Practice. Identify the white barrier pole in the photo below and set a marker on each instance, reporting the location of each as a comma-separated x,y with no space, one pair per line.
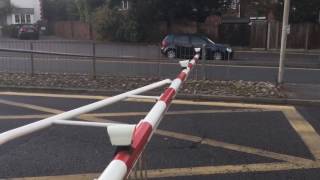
36,126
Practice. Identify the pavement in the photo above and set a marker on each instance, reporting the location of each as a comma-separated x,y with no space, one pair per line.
302,91
196,140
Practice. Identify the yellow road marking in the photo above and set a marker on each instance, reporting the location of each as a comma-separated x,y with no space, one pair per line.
303,128
30,106
234,147
226,169
238,105
307,133
120,114
19,117
178,136
53,95
50,110
125,114
191,171
62,177
185,102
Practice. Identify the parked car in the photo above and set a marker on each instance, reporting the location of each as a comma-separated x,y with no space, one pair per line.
182,46
28,31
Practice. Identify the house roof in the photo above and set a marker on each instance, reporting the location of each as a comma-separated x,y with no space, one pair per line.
23,11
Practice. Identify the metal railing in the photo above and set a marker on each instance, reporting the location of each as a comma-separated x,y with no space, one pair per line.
100,59
31,58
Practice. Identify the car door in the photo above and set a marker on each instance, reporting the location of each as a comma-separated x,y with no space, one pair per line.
183,46
198,42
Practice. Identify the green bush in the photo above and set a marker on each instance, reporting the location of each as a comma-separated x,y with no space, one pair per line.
10,30
115,25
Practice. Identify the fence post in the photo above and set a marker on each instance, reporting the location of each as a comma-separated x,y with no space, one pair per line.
277,35
204,73
32,59
306,43
94,75
268,34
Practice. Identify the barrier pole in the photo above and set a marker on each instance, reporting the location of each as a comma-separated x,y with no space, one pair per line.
45,123
124,160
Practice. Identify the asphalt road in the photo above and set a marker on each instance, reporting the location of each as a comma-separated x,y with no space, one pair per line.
195,140
119,67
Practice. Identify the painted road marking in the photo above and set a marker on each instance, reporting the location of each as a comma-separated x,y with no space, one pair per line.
226,169
30,106
185,102
300,125
62,177
71,96
50,110
183,112
116,114
304,129
234,147
191,171
20,117
125,114
172,134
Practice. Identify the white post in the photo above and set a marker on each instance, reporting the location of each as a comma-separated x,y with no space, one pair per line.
283,40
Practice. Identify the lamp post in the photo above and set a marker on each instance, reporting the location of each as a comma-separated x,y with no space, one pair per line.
283,40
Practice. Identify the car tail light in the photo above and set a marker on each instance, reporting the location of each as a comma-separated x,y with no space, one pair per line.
23,29
165,43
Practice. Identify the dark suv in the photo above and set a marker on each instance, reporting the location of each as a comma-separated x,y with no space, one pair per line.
182,46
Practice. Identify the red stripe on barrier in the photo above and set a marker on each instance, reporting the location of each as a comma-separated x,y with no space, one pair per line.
141,135
182,76
168,95
190,65
140,139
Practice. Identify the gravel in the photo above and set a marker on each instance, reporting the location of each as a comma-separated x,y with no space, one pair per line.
112,83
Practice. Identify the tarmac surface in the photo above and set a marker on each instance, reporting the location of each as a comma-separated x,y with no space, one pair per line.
196,140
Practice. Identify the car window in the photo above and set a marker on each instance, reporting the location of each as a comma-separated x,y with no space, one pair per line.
168,38
197,41
181,40
28,26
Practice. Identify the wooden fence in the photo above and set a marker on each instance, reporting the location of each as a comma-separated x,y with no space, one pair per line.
301,36
256,34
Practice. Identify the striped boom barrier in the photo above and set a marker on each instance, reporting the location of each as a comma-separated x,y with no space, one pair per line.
124,160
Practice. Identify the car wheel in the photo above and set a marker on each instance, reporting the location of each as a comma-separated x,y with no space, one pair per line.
217,56
171,54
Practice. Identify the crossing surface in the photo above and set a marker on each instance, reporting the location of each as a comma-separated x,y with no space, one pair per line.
195,140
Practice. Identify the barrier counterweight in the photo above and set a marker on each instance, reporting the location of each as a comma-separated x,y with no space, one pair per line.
124,160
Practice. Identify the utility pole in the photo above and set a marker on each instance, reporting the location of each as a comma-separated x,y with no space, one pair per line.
285,20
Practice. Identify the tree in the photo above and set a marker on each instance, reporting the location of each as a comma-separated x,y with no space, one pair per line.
148,12
57,10
304,11
111,24
300,11
256,8
143,16
86,8
5,8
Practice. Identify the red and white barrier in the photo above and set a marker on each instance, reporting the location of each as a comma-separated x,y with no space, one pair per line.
135,137
124,160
